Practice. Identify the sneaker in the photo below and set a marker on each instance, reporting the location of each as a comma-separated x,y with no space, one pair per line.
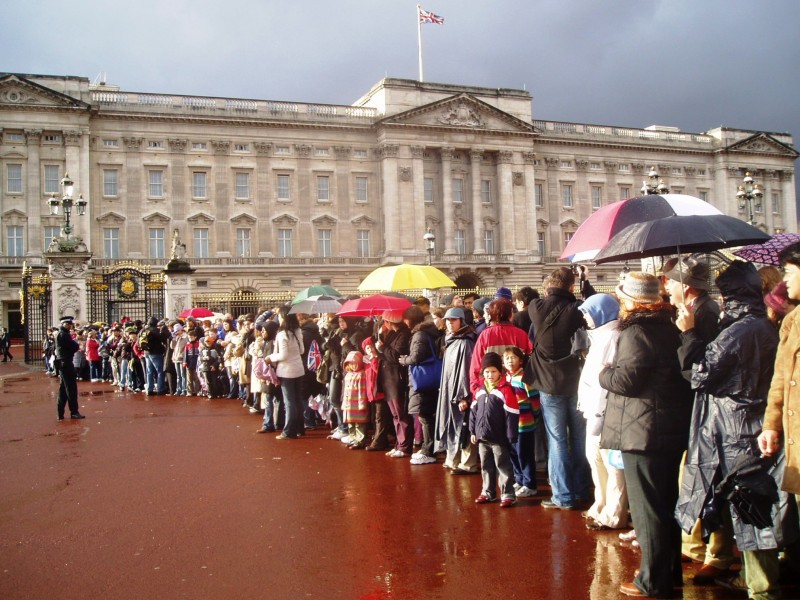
417,454
253,410
423,459
628,536
552,504
507,502
734,581
525,492
346,439
484,499
399,454
517,486
336,435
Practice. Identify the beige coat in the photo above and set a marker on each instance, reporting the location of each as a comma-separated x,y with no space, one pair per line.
783,402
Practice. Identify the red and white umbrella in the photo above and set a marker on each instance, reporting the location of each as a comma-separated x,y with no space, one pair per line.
374,305
601,226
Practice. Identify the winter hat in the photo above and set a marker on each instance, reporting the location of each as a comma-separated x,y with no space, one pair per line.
691,272
454,312
480,304
503,292
602,308
778,299
492,359
640,287
354,356
177,327
393,316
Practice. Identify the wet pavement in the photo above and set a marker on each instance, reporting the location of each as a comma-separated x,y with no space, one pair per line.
180,498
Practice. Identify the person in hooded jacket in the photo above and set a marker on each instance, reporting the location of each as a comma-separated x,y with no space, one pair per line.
647,418
393,342
424,344
610,507
455,397
732,382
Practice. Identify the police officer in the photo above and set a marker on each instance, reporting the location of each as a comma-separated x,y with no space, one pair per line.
66,347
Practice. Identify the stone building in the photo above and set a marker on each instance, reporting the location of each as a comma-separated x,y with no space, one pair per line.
277,195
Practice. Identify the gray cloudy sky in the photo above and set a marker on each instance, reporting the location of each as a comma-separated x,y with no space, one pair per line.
694,64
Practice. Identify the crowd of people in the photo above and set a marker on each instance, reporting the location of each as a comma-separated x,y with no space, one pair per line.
663,407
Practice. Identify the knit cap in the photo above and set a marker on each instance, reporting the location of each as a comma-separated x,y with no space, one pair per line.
503,292
492,359
640,287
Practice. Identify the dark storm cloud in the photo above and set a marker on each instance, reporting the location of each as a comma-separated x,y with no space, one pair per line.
688,63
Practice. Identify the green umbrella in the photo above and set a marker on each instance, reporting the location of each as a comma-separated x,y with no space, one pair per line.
315,290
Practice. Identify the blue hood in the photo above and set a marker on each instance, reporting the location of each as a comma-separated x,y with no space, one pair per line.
602,308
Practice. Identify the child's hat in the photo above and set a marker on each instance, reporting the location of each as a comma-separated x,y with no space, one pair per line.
492,359
354,356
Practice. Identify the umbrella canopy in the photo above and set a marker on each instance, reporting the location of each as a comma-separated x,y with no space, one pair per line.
601,226
373,305
198,312
315,290
767,253
693,233
317,305
405,277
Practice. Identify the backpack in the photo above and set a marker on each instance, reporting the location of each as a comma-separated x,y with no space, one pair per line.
144,339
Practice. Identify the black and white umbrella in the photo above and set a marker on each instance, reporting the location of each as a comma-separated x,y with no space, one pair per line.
679,234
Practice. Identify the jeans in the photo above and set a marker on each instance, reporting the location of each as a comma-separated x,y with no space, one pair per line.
95,370
292,388
123,374
523,457
570,477
180,379
155,373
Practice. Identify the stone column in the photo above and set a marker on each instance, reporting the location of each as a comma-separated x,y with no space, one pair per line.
475,157
448,214
391,199
68,274
33,192
529,235
788,200
505,204
418,198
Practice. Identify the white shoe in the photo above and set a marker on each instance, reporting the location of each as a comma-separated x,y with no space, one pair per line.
399,454
336,435
525,492
517,486
422,459
346,439
417,454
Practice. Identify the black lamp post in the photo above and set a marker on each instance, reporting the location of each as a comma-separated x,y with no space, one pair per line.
66,241
749,197
430,244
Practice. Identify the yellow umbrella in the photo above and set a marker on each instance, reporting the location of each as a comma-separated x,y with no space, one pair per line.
405,277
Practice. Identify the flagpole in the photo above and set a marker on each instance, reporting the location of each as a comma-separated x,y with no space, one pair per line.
419,42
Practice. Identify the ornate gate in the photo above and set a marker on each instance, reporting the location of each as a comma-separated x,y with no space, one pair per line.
125,290
36,314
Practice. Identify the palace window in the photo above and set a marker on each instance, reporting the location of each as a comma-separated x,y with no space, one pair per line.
200,238
155,183
325,243
110,183
540,247
566,196
14,179
363,249
156,238
460,242
242,242
323,188
52,179
361,189
284,243
15,240
50,233
488,241
199,184
110,242
538,192
283,188
242,186
597,197
428,184
486,191
776,203
458,191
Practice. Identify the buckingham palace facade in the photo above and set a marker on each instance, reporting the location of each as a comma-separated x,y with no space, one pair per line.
276,195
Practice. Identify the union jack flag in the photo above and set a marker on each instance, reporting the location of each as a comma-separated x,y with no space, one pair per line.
429,17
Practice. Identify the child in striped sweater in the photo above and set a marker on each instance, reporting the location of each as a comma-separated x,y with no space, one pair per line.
354,401
523,455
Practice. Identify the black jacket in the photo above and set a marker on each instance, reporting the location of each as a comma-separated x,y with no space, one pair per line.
553,368
650,403
66,347
424,341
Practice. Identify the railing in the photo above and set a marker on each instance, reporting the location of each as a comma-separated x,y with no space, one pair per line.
132,101
581,129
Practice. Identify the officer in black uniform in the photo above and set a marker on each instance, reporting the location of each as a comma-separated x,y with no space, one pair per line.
66,347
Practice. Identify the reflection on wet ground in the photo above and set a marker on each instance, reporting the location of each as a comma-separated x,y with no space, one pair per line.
180,498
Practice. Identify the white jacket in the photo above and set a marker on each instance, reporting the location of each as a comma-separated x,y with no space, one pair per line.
287,358
592,397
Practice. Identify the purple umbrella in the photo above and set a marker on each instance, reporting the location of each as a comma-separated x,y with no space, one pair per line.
767,253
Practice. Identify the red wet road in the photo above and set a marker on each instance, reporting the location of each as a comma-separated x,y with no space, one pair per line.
179,498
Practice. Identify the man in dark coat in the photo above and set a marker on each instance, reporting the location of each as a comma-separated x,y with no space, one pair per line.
732,381
66,347
555,371
310,331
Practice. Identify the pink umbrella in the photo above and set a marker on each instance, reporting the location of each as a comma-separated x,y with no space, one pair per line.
768,252
198,312
370,306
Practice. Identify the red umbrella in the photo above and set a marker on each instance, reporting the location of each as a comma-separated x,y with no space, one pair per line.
370,306
601,226
199,312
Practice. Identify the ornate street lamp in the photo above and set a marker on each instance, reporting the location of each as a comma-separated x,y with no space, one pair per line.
66,241
654,185
749,197
430,244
